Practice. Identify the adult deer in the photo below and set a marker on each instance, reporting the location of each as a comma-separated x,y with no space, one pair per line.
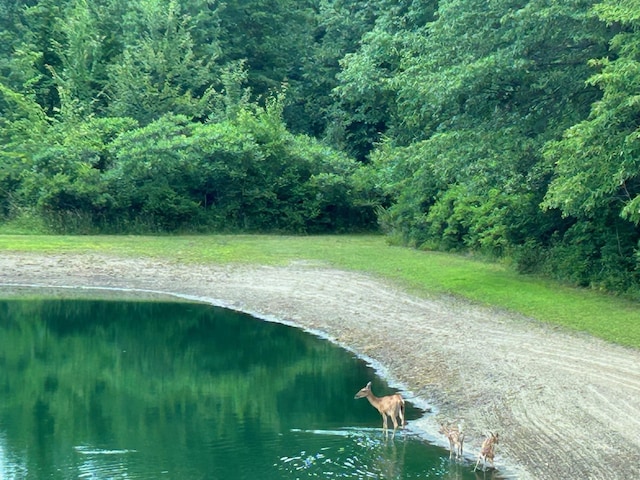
487,451
391,406
455,435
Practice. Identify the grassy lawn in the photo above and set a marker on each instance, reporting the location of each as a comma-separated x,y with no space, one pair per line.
425,273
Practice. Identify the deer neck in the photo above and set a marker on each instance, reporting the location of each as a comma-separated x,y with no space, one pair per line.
373,400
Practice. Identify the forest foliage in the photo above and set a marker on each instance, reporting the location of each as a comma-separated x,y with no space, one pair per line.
507,127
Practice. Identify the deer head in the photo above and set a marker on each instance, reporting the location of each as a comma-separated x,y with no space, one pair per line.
364,391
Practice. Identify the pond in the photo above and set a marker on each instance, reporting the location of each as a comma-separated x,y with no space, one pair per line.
105,389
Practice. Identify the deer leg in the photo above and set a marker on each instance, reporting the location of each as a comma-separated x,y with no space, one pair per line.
395,425
384,425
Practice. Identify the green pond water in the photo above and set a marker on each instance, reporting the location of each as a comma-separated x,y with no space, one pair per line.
101,389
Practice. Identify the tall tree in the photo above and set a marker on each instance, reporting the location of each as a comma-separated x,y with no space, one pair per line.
159,70
338,28
597,162
82,70
364,100
481,92
271,36
39,46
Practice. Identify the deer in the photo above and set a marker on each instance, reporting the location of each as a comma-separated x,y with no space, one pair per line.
391,406
455,435
487,451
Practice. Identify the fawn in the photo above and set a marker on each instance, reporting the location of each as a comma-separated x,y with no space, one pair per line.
455,435
487,451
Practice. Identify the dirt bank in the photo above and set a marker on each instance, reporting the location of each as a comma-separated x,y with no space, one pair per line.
566,406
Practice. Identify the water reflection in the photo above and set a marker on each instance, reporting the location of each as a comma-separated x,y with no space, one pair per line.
115,465
11,466
106,389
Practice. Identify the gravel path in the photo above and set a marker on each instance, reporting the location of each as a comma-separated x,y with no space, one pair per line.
566,406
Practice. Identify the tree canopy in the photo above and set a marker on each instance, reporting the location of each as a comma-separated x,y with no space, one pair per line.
508,127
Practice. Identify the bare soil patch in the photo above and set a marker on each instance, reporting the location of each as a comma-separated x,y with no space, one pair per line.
566,406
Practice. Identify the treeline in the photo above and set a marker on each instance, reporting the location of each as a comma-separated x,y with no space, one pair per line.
160,116
507,127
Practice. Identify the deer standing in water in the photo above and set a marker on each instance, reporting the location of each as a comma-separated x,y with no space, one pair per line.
391,406
455,435
487,451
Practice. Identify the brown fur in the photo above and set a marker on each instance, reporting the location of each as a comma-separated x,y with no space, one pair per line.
391,406
456,439
487,451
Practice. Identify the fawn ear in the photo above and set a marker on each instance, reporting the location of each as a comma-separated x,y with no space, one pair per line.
368,385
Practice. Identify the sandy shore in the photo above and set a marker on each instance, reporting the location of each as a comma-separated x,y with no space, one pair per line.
566,406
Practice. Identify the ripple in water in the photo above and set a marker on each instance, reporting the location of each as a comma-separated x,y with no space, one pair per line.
363,454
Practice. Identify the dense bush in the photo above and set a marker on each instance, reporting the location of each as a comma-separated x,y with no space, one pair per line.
248,173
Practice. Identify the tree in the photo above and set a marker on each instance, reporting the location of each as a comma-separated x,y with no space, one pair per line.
82,71
364,105
66,185
159,70
244,173
38,46
337,30
478,96
597,162
22,123
596,166
271,36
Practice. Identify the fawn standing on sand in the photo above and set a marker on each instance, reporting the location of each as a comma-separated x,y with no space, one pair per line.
455,435
391,406
487,451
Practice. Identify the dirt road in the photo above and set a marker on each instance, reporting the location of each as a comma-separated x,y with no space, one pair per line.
566,406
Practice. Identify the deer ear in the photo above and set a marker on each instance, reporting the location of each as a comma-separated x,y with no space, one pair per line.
368,385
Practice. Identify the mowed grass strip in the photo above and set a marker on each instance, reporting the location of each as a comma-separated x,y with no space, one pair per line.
608,317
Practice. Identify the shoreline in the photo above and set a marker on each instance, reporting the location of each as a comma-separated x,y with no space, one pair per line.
551,395
119,293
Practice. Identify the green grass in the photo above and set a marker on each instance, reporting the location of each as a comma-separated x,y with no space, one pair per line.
425,273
